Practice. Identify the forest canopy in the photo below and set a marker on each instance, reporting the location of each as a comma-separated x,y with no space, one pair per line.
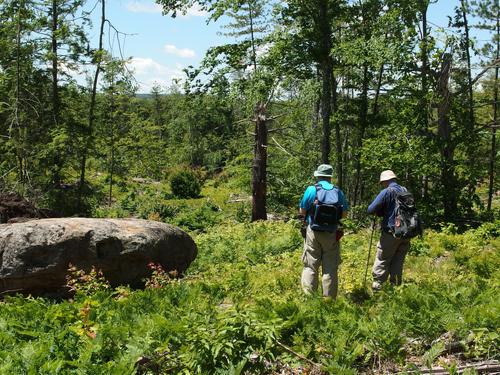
365,86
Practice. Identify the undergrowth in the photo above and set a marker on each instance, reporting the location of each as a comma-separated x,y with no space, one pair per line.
240,310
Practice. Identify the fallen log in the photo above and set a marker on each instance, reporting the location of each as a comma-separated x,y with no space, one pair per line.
484,367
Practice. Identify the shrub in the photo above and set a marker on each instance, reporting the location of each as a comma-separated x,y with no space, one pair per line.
489,230
200,218
185,184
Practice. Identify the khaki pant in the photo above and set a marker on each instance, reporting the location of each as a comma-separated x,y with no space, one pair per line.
389,260
320,248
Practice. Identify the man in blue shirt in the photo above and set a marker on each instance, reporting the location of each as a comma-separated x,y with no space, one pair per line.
391,251
320,245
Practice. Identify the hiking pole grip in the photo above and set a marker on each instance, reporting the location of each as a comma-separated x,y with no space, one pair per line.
369,252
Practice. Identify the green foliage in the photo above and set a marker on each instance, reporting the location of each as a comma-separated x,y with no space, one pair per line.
240,306
185,184
489,230
201,218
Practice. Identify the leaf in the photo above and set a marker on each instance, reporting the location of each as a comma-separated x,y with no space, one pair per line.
433,353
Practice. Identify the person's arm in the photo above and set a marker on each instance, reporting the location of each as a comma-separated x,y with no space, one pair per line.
307,200
345,204
376,207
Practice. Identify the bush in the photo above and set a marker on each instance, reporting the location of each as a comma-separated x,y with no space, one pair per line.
185,184
200,218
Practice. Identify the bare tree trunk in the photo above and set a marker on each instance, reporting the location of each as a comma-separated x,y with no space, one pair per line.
449,197
493,153
259,170
90,128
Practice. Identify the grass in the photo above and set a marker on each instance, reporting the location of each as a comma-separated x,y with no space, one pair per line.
240,307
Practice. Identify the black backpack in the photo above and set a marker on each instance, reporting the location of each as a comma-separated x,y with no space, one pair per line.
326,210
407,222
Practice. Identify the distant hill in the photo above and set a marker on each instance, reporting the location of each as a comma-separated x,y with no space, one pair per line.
143,96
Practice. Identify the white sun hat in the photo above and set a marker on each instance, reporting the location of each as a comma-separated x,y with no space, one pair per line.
387,175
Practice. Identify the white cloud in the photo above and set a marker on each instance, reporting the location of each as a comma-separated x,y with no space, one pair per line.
149,72
195,11
143,7
181,52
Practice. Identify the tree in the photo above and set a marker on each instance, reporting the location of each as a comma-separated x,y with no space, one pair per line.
98,59
310,28
248,22
65,47
448,180
21,107
488,12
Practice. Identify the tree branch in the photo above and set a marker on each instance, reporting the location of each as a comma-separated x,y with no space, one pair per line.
298,355
282,148
495,63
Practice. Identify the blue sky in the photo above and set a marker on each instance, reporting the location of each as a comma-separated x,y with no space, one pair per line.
160,46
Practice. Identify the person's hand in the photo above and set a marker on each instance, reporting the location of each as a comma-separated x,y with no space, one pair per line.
339,234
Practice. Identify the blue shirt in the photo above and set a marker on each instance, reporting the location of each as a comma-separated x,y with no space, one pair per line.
310,195
384,205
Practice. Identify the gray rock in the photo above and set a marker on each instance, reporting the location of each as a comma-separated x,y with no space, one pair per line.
34,256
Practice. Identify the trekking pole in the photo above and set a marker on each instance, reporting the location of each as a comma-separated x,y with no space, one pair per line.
369,252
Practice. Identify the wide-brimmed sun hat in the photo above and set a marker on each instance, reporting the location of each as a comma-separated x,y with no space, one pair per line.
387,175
324,170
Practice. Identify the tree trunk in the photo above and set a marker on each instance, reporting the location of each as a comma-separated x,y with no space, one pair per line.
56,178
377,90
424,105
259,170
112,123
449,196
317,111
326,66
20,127
493,153
363,119
471,144
90,127
338,140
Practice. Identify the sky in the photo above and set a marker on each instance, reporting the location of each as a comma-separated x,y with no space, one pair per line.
160,47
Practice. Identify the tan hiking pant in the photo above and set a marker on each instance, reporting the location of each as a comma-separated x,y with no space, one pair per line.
320,248
389,260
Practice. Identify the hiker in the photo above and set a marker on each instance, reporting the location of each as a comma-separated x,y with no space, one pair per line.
391,251
323,205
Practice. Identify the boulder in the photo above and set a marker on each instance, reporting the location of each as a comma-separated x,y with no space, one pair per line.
34,256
